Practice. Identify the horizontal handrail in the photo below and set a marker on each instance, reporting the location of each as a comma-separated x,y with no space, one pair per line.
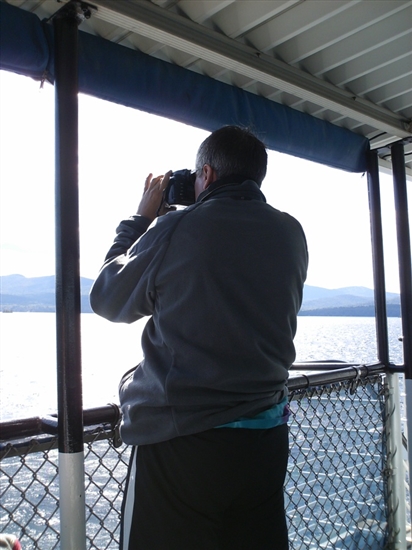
29,427
337,365
327,364
324,377
110,414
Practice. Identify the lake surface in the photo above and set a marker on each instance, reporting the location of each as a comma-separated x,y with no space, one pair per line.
28,355
28,388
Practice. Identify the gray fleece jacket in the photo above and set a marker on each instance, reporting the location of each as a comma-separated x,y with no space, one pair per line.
221,282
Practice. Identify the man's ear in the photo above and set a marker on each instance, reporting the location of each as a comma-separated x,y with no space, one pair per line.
209,175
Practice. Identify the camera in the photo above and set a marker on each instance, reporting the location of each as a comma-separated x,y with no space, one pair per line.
181,188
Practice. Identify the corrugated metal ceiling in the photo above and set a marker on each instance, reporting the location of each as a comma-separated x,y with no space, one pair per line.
348,62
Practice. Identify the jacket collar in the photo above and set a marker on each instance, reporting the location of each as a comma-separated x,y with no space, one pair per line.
235,187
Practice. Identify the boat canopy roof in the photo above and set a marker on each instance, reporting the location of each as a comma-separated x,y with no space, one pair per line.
324,81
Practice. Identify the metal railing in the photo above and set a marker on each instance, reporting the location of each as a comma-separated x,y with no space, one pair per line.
337,487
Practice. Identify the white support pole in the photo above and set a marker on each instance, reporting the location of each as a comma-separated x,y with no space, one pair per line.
408,415
72,501
395,466
405,275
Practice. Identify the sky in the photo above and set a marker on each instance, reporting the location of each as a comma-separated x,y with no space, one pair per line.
119,147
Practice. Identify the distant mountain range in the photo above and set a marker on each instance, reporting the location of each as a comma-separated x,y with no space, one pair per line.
351,301
19,293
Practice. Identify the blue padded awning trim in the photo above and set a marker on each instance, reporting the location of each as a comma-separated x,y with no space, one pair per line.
122,75
24,48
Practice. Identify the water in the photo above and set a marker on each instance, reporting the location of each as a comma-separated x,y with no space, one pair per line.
28,388
28,355
351,339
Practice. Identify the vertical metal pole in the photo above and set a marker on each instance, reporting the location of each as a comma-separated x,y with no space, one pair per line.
395,467
404,252
70,405
405,279
378,258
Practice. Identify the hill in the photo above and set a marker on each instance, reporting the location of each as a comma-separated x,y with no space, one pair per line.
19,293
346,302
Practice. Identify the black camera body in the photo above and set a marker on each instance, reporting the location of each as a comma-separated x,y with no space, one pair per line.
181,188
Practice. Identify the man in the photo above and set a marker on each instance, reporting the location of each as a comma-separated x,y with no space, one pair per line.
206,410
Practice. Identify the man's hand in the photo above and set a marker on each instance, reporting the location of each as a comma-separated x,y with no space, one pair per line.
151,202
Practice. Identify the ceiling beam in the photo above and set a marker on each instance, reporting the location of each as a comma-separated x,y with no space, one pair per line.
385,166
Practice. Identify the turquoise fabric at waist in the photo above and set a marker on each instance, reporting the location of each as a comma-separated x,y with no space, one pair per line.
275,416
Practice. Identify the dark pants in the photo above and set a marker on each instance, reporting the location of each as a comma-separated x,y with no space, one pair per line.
217,490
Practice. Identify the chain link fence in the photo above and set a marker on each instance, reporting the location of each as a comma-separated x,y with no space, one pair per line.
335,488
335,494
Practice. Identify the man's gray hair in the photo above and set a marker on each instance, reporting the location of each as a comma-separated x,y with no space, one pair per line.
233,151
